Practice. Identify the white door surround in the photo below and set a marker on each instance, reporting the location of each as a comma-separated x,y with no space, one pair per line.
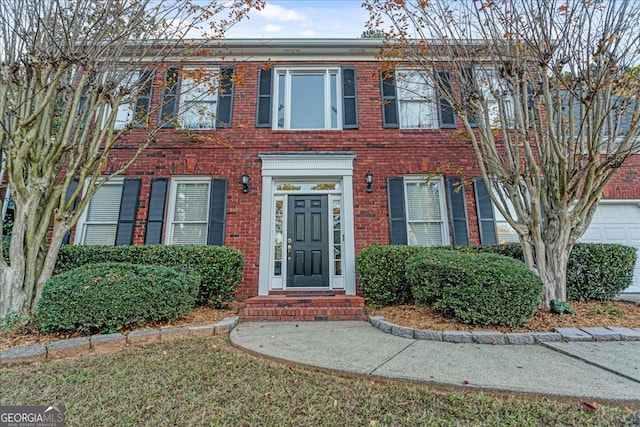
287,173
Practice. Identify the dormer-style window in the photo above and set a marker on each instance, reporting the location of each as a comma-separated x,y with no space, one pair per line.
307,98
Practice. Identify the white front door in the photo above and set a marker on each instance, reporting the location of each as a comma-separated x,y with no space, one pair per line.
306,238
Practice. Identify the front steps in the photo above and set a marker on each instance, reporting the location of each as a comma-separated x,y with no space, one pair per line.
303,305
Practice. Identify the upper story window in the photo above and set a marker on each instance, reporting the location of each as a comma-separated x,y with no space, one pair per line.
308,98
197,98
411,101
135,106
497,97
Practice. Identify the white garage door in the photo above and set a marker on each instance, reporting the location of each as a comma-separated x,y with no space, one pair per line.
617,223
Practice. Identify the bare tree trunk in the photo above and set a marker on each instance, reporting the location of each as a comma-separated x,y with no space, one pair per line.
553,275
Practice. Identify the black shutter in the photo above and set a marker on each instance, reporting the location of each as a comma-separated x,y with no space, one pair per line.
349,100
447,114
457,211
70,189
225,98
155,215
486,217
397,217
128,209
217,211
143,101
169,97
263,117
389,101
466,75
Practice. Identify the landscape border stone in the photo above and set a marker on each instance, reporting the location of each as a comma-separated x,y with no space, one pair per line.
100,344
512,338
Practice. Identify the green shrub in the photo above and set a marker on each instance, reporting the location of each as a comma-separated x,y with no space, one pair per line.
419,276
107,297
484,289
599,271
381,274
219,267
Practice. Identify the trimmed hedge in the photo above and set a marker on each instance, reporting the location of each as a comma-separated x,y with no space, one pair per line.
594,271
381,274
483,289
108,297
219,267
599,271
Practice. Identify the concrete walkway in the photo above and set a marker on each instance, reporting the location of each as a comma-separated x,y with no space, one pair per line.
606,371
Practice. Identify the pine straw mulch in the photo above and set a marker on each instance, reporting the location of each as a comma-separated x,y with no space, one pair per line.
620,314
588,314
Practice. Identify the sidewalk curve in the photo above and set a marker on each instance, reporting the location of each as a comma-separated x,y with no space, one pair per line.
591,370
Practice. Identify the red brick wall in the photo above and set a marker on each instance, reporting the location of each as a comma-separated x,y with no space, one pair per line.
226,153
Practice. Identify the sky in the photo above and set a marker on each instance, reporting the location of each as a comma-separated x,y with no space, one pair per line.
303,19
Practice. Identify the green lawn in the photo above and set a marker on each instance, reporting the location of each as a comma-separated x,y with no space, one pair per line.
202,382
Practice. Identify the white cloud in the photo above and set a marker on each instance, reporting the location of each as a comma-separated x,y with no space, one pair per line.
278,13
304,19
270,28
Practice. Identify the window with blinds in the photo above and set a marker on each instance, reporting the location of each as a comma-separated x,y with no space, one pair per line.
101,220
425,213
190,212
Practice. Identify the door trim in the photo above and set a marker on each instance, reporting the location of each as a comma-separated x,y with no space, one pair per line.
305,166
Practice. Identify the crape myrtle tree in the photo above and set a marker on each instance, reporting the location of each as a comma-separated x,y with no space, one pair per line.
548,92
67,70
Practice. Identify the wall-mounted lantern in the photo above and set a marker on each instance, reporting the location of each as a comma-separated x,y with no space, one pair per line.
368,178
244,179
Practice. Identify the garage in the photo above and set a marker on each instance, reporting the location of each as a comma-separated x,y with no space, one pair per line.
617,222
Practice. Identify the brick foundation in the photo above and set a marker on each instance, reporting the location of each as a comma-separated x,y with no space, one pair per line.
296,306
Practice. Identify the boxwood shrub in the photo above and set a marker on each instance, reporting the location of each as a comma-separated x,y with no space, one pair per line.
219,267
483,289
599,271
107,297
381,274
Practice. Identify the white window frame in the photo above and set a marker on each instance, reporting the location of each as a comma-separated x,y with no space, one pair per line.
426,97
288,72
175,181
489,83
444,225
127,108
208,90
83,221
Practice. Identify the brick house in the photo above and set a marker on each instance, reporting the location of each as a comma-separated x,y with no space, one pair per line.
308,132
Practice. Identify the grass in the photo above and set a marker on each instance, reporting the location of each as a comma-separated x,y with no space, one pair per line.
204,382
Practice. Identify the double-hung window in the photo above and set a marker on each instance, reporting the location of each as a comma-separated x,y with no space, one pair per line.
497,95
188,211
411,100
99,221
134,106
307,98
416,100
199,99
426,212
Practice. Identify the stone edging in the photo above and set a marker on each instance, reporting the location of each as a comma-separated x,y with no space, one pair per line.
102,344
495,337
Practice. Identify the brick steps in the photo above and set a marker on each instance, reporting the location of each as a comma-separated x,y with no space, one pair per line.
302,306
